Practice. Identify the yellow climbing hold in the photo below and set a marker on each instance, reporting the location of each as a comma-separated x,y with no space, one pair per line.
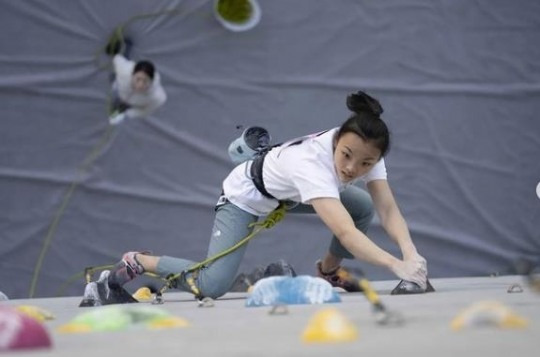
35,312
74,327
488,313
143,294
168,322
329,325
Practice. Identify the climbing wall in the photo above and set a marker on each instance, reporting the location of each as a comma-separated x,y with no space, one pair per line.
459,81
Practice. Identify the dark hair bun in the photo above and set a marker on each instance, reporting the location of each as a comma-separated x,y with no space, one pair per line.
362,102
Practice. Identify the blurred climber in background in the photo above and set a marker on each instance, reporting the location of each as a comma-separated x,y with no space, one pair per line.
136,86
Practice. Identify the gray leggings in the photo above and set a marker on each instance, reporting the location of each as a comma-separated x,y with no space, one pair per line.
231,226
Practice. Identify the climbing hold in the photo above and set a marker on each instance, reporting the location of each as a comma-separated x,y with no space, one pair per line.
20,331
288,290
329,325
487,313
408,287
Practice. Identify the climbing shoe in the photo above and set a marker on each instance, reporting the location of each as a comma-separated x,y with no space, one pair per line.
98,293
340,278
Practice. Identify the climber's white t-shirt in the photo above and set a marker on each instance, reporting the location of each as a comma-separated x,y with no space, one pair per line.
297,172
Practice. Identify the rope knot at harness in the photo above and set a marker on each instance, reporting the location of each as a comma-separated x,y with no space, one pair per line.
273,218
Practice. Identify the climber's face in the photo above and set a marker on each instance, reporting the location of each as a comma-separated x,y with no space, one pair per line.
140,82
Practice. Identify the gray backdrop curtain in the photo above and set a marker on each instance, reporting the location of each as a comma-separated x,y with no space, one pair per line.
459,81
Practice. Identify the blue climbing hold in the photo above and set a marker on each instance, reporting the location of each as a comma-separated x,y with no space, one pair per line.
286,290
